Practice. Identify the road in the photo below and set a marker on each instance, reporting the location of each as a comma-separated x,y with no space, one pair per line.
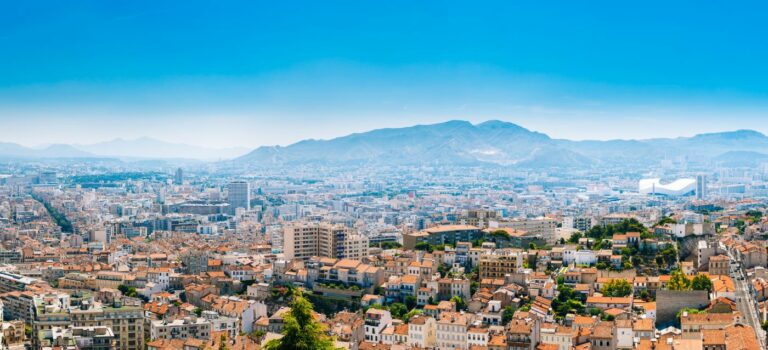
745,301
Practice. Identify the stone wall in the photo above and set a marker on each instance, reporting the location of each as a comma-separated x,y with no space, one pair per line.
669,302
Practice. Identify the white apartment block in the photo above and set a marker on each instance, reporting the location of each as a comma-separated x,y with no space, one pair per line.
189,327
375,322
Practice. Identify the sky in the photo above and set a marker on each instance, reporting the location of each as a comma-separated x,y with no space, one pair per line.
252,73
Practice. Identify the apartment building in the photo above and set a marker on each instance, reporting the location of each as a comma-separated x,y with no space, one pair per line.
544,227
346,271
18,306
10,282
719,265
305,240
127,322
477,217
422,331
450,287
500,263
562,337
188,327
80,338
441,234
375,322
693,324
452,329
245,311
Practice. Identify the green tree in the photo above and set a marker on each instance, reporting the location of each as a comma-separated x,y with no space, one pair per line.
398,310
128,291
755,215
567,301
666,220
460,305
507,315
410,302
678,281
424,246
617,288
689,310
701,282
575,237
301,331
668,255
223,342
407,317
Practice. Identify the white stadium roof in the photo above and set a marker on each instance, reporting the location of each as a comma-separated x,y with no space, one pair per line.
678,187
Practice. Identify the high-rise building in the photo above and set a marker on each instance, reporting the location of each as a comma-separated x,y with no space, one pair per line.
701,187
305,240
179,178
239,195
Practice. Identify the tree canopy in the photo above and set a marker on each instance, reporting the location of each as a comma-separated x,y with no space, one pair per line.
301,331
679,281
701,282
617,288
605,232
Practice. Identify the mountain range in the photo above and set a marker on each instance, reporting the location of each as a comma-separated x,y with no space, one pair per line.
453,142
502,143
136,149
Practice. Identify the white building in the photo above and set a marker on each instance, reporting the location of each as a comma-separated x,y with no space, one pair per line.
219,323
188,327
375,322
677,188
477,336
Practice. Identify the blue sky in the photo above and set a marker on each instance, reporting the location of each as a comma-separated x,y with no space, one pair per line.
249,73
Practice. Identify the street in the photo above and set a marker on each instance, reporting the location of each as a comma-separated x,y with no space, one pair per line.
745,302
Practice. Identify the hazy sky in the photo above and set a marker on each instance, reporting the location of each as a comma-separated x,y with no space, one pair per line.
251,73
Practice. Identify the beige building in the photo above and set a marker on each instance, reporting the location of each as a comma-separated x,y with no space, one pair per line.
452,329
562,337
305,240
693,324
545,227
718,265
126,322
501,263
422,331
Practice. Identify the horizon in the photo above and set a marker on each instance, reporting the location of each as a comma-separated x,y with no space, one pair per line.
248,149
247,74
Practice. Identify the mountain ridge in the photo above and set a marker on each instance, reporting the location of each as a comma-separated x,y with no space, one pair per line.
496,142
453,142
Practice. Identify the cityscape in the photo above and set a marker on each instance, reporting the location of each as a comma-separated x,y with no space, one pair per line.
425,176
